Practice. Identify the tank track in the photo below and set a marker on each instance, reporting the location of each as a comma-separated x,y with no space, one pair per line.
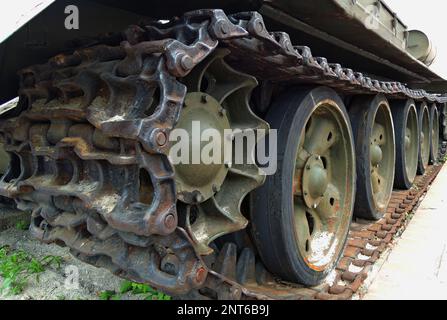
83,141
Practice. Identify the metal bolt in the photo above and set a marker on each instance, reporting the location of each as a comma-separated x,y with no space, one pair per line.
170,221
186,62
235,292
215,188
198,197
204,98
308,167
201,275
222,112
224,27
259,26
170,264
161,138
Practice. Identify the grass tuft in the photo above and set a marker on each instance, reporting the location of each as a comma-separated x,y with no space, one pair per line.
22,225
17,266
136,289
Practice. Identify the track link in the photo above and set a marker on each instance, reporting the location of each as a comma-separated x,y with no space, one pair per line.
92,127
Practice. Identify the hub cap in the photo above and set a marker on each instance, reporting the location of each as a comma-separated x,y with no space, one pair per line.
425,137
383,157
197,182
411,145
435,135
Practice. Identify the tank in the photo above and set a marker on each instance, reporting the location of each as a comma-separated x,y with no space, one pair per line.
214,149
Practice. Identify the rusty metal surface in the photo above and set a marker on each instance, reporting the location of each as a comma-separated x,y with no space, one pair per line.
89,128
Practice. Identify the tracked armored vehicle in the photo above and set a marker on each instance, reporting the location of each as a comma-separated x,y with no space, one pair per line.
343,86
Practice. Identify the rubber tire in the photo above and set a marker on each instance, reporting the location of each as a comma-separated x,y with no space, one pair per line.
434,150
423,109
400,110
272,204
362,112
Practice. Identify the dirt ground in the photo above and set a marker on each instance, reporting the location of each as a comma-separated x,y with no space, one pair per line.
51,284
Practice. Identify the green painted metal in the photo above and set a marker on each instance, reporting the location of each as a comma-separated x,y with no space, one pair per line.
336,24
443,113
425,137
382,157
380,42
411,149
435,135
201,180
323,162
212,194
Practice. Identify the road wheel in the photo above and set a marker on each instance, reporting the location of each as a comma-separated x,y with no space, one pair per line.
301,215
434,125
406,131
372,125
424,138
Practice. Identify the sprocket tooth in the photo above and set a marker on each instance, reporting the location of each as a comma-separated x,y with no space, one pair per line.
246,267
262,275
226,261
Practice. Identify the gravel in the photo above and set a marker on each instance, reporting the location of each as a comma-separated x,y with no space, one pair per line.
52,283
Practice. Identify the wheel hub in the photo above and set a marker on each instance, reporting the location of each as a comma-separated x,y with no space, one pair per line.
376,155
407,139
412,149
197,180
315,181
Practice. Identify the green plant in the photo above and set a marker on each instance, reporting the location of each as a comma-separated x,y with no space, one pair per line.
22,225
109,295
139,288
136,289
16,266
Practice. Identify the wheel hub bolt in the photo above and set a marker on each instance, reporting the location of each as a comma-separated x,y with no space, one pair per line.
198,198
376,155
222,112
